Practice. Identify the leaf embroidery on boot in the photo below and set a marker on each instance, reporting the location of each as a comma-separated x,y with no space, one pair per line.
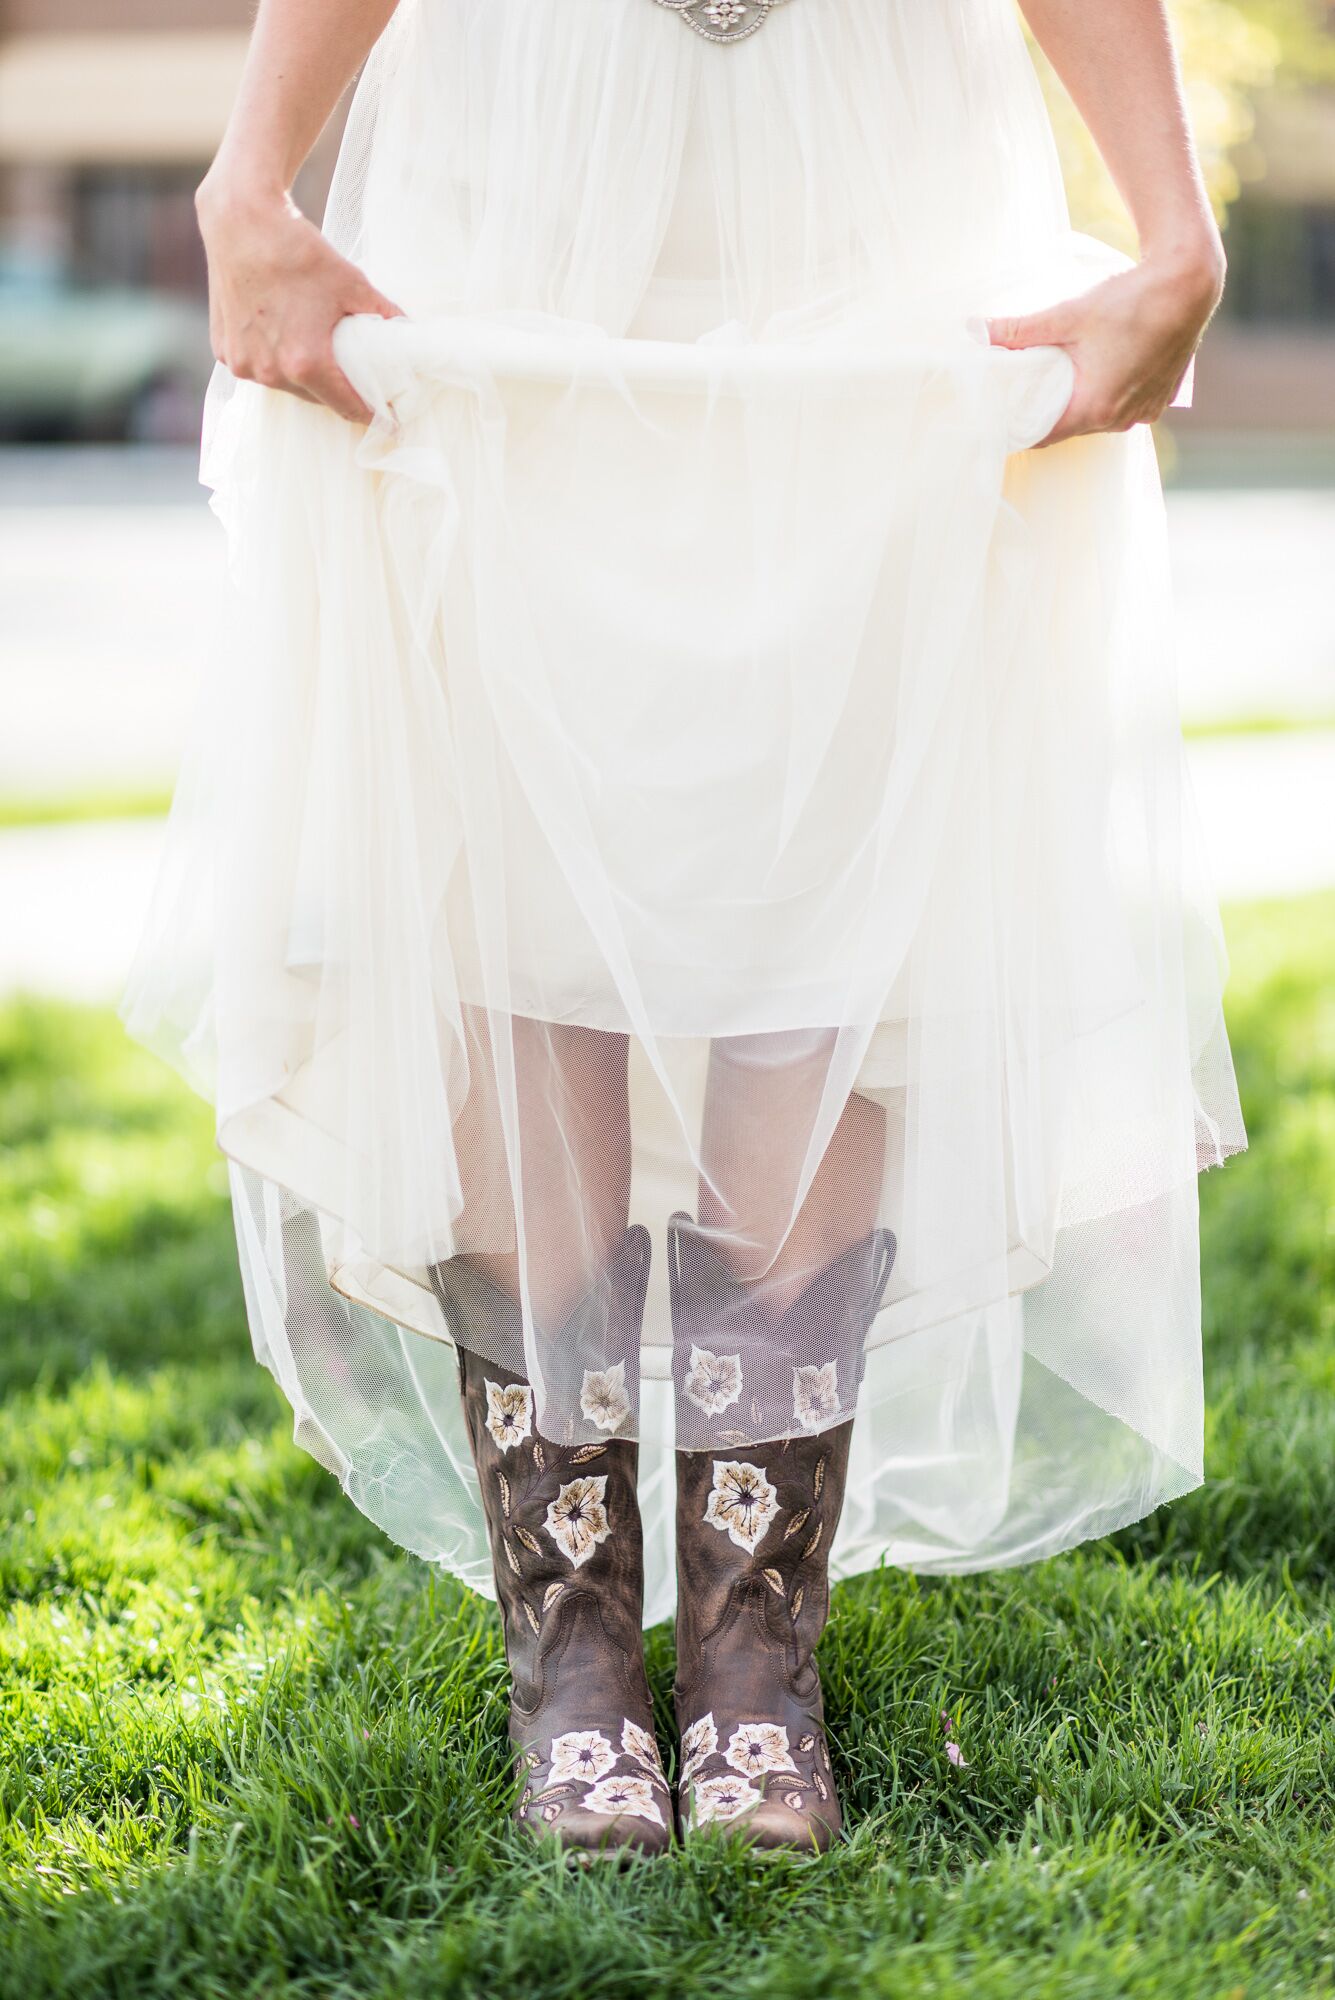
757,1747
820,1785
818,1478
550,1595
624,1795
798,1522
814,1543
807,1742
530,1541
504,1485
512,1559
697,1743
509,1412
721,1798
581,1753
530,1614
586,1452
603,1397
742,1503
798,1595
640,1744
539,1457
734,1437
794,1801
816,1395
775,1582
577,1518
713,1381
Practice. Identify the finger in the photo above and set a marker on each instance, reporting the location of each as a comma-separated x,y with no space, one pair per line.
1042,329
327,384
366,299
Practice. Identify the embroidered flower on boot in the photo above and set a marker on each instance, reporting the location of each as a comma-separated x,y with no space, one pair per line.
581,1753
713,1381
577,1519
721,1798
698,1743
757,1747
624,1795
816,1395
603,1397
509,1412
742,1503
640,1744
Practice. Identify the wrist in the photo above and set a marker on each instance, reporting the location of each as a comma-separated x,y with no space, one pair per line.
232,188
1191,260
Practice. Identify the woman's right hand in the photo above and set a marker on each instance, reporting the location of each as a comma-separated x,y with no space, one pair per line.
277,290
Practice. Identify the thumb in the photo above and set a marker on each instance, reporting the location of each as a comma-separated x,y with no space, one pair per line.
1040,329
366,299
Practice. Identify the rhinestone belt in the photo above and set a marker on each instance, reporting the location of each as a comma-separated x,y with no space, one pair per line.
723,20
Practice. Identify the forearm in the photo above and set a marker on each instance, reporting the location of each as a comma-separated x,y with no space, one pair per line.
1117,60
303,55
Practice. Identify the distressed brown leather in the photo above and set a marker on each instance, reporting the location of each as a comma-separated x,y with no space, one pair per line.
754,1526
567,1551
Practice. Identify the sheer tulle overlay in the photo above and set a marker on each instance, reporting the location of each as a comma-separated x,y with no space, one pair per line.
689,754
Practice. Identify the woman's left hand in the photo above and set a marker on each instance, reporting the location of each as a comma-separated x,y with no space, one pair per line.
1131,339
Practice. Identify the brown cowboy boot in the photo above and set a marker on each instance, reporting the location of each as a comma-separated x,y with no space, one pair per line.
567,1552
754,1526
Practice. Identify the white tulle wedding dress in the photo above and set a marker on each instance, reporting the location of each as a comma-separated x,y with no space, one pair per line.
690,753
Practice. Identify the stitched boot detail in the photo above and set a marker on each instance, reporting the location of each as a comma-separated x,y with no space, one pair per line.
567,1552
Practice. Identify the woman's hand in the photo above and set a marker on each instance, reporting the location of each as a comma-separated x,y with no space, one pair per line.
1131,339
277,290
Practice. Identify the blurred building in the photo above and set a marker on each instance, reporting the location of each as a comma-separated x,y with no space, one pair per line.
109,111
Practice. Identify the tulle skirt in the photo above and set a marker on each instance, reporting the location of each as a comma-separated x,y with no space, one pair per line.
690,755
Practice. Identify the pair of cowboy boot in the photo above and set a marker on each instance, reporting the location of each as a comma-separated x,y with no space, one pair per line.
755,1521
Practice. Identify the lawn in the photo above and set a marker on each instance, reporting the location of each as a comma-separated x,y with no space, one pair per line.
247,1748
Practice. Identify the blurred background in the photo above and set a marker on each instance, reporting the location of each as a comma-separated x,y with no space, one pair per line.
110,110
235,1742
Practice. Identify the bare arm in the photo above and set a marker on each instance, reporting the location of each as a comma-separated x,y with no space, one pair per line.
1132,337
277,289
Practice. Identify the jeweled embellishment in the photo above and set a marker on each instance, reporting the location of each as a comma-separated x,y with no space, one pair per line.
577,1519
741,1503
723,20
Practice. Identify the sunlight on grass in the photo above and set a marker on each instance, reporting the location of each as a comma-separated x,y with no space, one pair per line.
250,1749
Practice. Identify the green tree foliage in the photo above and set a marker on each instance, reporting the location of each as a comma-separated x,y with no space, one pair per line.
1232,50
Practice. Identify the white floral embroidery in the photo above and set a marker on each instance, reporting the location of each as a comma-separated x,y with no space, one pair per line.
577,1518
640,1744
757,1747
698,1742
624,1795
581,1753
741,1503
721,1798
713,1381
603,1397
816,1395
509,1412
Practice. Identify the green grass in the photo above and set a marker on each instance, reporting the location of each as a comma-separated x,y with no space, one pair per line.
246,1748
68,809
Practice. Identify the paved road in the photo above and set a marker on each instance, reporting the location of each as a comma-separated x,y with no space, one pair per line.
109,562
